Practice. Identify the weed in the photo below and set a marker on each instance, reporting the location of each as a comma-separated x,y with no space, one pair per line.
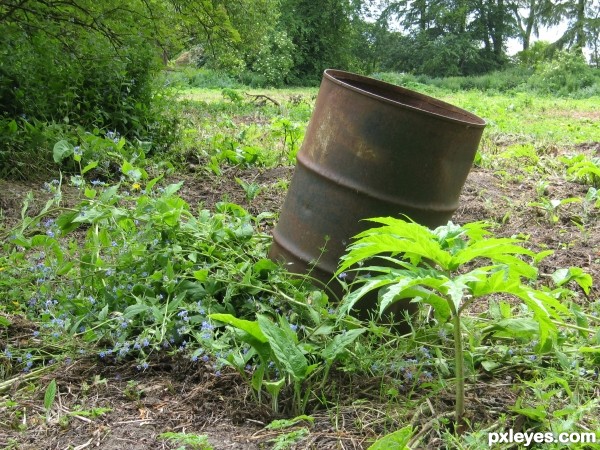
251,190
187,440
432,270
551,207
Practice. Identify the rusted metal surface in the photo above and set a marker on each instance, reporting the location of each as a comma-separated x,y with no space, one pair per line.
371,149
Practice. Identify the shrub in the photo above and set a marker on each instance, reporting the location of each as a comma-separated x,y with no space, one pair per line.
563,75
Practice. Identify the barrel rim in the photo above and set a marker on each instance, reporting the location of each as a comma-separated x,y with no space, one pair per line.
332,74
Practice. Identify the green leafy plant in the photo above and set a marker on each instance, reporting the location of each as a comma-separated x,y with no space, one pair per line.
277,346
551,207
188,440
398,440
50,396
586,171
448,268
292,134
250,189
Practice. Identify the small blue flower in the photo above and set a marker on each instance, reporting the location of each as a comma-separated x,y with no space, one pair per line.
205,358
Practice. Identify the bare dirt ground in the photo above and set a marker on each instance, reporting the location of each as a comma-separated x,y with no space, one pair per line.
180,396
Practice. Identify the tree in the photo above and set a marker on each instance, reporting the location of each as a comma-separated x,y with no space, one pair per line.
79,60
581,17
322,33
451,37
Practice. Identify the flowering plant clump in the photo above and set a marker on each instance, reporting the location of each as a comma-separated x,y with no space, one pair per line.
149,276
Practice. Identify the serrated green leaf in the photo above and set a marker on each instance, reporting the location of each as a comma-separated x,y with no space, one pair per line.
350,300
522,327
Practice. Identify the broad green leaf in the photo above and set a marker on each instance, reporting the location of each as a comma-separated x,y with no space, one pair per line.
50,395
90,166
201,275
589,349
65,268
563,276
152,182
62,149
490,366
134,310
109,194
339,343
284,349
398,440
103,313
538,413
264,266
90,193
258,376
172,189
250,327
421,295
4,322
274,387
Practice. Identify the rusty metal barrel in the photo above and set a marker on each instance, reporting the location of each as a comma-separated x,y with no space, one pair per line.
371,149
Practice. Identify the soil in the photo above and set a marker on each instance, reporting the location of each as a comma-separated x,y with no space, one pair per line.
178,396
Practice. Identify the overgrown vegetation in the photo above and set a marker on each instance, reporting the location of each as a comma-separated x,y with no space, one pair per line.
157,160
120,267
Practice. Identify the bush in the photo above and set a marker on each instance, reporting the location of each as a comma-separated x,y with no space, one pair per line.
566,74
274,61
62,72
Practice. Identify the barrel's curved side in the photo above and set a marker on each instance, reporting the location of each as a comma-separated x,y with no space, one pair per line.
365,156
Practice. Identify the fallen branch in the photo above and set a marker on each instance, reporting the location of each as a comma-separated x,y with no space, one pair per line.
258,97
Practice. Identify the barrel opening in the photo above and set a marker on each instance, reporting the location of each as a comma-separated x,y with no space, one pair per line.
405,97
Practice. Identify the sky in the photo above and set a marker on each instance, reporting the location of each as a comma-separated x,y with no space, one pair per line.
548,34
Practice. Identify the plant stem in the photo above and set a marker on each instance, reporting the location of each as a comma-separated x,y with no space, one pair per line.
460,374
